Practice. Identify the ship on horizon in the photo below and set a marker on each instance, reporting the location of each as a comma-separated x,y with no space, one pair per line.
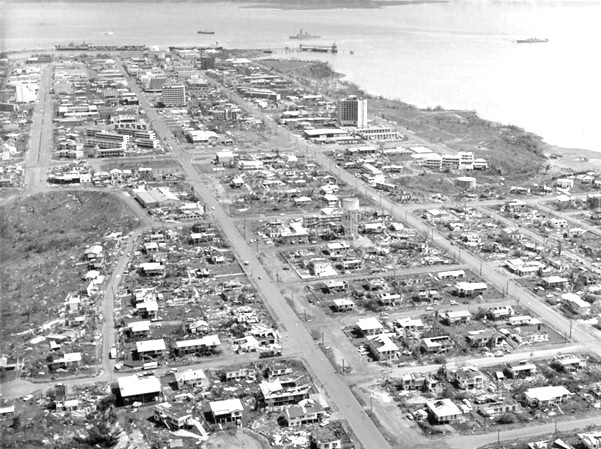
205,32
73,46
532,40
304,35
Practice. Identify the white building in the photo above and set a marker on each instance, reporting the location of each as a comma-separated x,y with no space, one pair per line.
174,95
352,112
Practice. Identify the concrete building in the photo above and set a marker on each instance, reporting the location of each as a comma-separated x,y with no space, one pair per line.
369,327
382,347
443,411
306,412
229,410
352,112
342,305
139,389
544,396
151,348
173,95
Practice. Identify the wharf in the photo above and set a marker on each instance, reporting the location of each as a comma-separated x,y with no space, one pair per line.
319,48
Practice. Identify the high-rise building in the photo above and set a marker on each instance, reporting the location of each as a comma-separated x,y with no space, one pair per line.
207,63
352,112
174,95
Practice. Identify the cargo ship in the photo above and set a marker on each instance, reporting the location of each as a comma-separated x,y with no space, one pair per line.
71,46
303,35
205,32
532,40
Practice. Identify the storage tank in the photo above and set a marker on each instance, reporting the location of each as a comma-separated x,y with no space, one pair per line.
350,218
350,204
466,182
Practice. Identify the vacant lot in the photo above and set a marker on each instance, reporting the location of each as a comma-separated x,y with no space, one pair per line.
42,239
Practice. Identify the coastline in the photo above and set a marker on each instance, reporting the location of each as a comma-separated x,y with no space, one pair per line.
525,154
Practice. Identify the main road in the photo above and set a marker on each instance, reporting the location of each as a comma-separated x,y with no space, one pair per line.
499,279
39,153
300,339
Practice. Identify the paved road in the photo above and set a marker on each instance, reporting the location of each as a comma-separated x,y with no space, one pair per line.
501,281
531,431
39,153
339,393
399,272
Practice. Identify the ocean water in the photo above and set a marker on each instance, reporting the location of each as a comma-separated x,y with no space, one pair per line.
461,54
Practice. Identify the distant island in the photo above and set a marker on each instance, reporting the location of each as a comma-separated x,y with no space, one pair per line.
280,4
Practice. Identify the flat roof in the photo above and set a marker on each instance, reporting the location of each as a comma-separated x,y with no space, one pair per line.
547,393
321,131
443,407
151,345
225,407
134,385
209,340
369,323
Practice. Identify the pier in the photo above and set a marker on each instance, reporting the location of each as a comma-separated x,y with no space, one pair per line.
319,48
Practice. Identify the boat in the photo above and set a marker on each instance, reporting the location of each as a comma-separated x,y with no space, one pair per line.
532,40
72,46
108,33
304,35
205,32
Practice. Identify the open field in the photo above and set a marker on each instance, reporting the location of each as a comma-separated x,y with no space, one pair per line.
42,239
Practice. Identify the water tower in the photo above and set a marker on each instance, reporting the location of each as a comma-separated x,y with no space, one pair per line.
350,206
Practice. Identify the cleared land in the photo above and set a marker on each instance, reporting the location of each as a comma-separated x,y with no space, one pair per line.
42,240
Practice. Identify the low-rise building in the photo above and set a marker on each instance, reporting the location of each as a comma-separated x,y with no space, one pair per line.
191,378
544,396
324,438
521,369
433,345
139,389
305,412
443,411
369,327
382,347
456,317
576,304
591,440
470,289
469,378
274,394
151,348
410,324
229,410
343,305
198,345
174,416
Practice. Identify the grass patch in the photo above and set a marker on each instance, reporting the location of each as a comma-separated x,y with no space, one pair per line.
42,239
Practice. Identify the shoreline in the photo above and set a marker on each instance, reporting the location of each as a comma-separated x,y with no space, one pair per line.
559,158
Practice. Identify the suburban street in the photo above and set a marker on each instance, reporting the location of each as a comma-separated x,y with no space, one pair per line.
298,339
